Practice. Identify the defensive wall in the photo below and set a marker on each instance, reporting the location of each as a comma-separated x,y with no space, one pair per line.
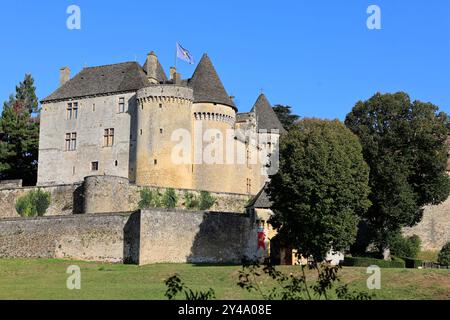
105,194
147,236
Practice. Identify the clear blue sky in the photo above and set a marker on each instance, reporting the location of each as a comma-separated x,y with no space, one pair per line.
317,56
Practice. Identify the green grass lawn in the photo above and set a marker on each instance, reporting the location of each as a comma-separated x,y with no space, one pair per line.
46,279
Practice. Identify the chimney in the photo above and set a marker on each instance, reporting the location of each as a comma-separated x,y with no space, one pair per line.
64,75
177,78
173,71
152,67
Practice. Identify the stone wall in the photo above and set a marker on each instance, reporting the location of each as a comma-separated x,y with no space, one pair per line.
63,198
101,194
196,237
106,237
434,229
150,236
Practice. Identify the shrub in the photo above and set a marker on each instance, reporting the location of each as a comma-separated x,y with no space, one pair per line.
412,263
34,203
444,255
191,201
170,198
206,200
149,199
366,262
404,247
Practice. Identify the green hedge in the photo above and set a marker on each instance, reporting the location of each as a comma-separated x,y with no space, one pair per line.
412,263
366,262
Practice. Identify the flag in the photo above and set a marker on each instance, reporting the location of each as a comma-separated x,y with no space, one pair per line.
184,54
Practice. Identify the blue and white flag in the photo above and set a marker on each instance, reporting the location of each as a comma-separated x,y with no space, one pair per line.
184,54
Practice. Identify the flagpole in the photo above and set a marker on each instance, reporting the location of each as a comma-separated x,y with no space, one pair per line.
176,48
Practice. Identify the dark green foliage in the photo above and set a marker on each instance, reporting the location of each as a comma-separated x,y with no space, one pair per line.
444,255
169,199
33,204
321,187
412,263
295,287
206,200
191,201
367,261
404,146
149,199
404,246
19,134
175,286
284,114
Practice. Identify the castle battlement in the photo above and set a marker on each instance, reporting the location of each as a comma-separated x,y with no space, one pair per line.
165,93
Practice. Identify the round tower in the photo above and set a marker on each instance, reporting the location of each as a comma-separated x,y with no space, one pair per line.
214,115
164,113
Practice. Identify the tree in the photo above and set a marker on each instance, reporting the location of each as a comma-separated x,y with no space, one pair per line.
19,134
321,188
404,145
284,114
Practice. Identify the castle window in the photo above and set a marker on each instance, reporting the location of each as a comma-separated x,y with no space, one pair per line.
155,162
71,141
72,110
116,163
108,137
249,185
121,105
94,166
93,107
160,130
160,105
141,132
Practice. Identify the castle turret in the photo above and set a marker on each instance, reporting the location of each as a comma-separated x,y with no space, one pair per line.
154,70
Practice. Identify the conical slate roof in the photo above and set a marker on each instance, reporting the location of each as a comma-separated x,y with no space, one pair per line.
113,78
207,85
261,200
266,118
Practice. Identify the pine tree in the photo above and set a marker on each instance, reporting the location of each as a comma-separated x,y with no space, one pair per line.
19,134
284,114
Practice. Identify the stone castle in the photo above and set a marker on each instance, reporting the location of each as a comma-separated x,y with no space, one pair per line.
122,119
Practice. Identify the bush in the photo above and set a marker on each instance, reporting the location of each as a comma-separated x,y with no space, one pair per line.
404,247
191,201
444,255
412,263
149,199
170,198
366,262
34,203
206,200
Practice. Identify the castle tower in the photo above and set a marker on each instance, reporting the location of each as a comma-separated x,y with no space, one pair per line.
162,109
268,128
214,115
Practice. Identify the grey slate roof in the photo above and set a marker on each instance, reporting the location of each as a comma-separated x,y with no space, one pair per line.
266,118
121,77
160,73
207,85
243,116
261,200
